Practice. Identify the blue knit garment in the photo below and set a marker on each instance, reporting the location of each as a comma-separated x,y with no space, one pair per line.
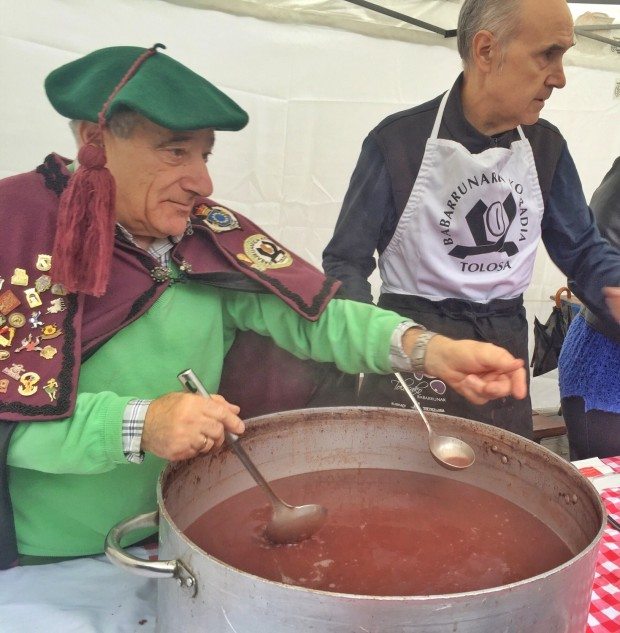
589,367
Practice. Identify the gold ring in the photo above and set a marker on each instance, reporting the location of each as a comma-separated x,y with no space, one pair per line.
204,444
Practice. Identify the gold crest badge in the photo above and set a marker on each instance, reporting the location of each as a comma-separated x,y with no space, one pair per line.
264,253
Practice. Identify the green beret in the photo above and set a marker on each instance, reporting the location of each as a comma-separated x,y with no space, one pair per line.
163,90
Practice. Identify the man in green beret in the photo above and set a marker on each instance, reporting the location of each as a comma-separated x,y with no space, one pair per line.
120,273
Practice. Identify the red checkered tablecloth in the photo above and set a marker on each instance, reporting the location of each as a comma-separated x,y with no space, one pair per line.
604,616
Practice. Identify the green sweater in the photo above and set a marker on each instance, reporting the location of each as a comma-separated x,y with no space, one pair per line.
70,481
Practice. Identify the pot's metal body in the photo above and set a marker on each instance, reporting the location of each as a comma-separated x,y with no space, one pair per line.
212,596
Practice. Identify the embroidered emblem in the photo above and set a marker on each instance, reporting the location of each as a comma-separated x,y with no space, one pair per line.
19,278
218,219
43,283
58,289
44,262
14,371
51,388
29,344
8,302
6,335
17,319
265,253
48,352
56,305
28,386
4,385
2,319
4,354
32,297
50,331
35,320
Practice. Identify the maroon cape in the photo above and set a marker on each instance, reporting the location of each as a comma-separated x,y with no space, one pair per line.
46,335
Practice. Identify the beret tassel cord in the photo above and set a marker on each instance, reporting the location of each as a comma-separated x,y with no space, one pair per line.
84,240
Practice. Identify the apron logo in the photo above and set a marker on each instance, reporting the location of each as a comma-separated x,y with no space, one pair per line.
489,227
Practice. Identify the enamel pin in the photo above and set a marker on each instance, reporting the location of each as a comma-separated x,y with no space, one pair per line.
8,302
32,297
51,387
56,305
43,283
14,371
218,219
6,335
44,262
28,383
19,277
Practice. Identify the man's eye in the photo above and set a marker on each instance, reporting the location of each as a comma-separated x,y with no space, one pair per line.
177,151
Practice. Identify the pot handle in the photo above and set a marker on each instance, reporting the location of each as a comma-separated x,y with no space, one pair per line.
135,565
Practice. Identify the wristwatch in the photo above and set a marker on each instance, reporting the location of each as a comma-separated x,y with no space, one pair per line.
418,353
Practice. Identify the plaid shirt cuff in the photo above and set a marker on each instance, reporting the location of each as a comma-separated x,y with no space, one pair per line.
133,424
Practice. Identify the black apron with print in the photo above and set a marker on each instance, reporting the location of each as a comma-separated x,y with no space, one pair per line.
501,321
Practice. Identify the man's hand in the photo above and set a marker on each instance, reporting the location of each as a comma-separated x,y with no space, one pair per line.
181,425
478,371
613,301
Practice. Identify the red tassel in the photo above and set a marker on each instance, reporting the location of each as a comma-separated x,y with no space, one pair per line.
84,240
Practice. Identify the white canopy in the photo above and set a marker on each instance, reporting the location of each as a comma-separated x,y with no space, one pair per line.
380,18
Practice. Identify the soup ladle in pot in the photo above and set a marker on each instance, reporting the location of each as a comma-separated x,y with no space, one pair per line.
288,524
449,452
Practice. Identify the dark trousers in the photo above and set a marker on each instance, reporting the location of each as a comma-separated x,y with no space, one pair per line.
593,433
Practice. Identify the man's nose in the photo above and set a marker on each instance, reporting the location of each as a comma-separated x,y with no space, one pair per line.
197,179
557,78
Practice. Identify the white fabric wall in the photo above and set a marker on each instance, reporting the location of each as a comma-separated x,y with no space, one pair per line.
312,93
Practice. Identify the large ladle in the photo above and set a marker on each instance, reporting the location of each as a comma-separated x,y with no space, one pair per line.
450,452
288,524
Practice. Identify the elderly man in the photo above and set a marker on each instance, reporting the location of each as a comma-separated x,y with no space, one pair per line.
455,195
119,273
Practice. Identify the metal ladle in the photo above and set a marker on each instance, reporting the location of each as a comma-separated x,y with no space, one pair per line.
288,524
450,452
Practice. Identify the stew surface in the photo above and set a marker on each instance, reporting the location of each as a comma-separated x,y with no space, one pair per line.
388,533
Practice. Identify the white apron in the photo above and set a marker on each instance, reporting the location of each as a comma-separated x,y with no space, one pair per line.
471,226
460,258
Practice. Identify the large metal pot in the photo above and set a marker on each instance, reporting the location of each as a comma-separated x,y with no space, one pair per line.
209,595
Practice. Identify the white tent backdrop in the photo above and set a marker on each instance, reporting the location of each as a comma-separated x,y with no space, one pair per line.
389,19
313,92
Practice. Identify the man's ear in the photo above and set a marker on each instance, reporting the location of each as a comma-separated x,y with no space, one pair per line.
484,50
90,134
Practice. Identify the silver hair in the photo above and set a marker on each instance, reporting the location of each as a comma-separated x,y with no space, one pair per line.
121,124
500,17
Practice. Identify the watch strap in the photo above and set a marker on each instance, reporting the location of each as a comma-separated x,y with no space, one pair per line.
418,352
